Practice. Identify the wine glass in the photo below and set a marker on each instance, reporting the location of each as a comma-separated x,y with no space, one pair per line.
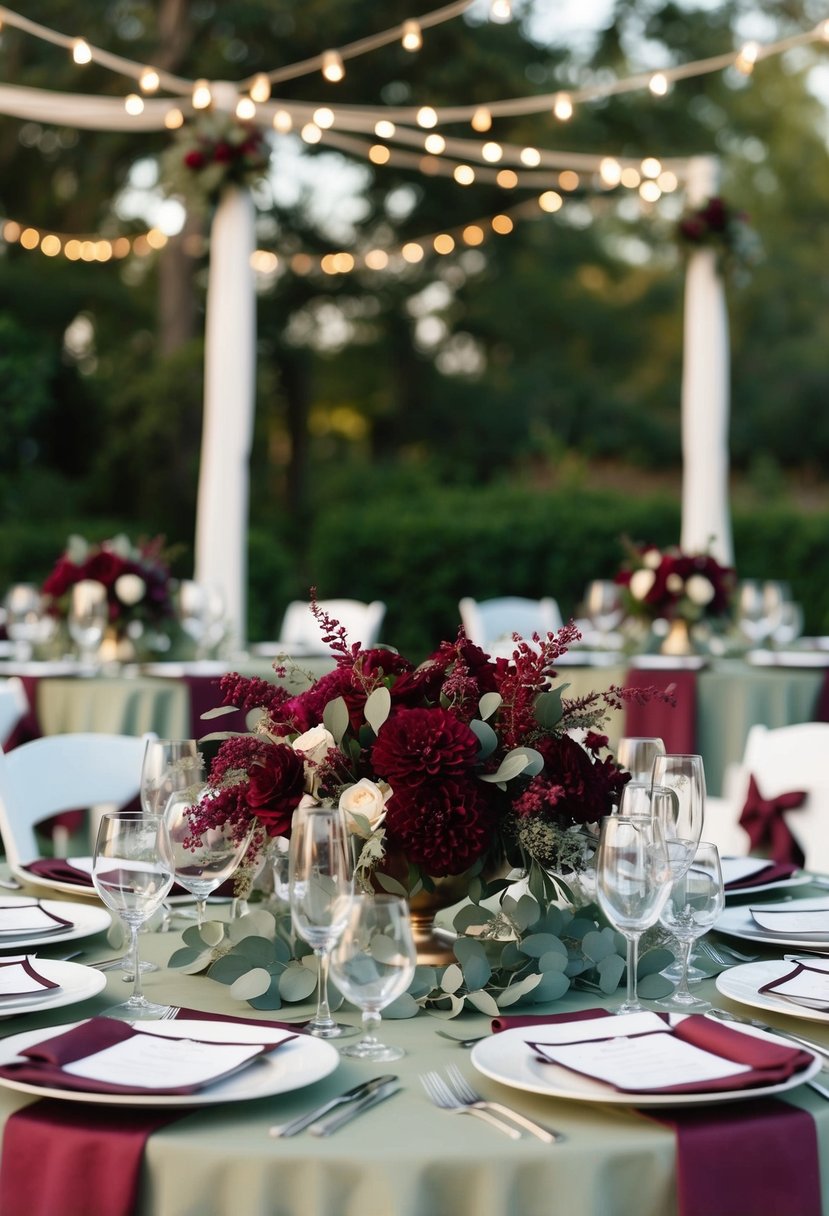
132,871
684,776
604,607
319,878
170,766
203,859
694,904
196,610
752,612
88,617
632,882
372,964
24,619
637,755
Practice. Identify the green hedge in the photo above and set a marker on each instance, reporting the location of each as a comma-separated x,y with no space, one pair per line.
420,548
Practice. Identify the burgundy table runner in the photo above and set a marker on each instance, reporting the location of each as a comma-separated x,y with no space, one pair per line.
67,1159
677,727
750,1158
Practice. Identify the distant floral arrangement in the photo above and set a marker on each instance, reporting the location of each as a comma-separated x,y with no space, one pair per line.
211,152
136,578
725,229
674,585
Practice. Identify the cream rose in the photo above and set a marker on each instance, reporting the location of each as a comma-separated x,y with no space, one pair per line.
366,798
652,559
699,589
130,588
314,744
675,583
641,582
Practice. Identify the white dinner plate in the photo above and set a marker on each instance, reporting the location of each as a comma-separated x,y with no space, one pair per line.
742,984
669,662
77,983
89,892
85,920
505,1057
738,922
299,1063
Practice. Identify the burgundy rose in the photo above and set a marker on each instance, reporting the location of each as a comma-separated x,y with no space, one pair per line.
105,566
194,160
442,826
276,783
64,576
223,153
417,745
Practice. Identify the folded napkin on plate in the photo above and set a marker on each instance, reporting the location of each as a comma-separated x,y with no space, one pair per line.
18,978
728,1158
59,869
23,918
761,1062
52,1154
771,872
46,1063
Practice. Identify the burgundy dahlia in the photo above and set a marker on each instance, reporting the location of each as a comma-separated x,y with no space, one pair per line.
417,745
441,826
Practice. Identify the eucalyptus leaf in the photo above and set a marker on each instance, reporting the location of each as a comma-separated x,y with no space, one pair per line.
256,923
212,933
547,708
184,957
483,1002
192,936
521,988
526,911
651,962
252,984
537,944
551,987
389,884
259,951
218,711
450,1006
470,914
472,958
654,986
335,718
512,957
377,707
297,983
579,927
271,999
597,946
452,978
384,949
553,960
512,765
228,969
404,1006
486,737
611,970
489,704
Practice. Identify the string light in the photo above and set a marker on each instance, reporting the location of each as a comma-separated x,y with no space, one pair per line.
500,11
481,120
333,68
311,133
531,157
507,179
443,243
412,39
658,84
149,81
84,249
376,259
550,201
434,144
81,52
473,234
569,180
282,122
384,129
563,107
379,154
464,175
134,104
492,152
412,252
649,191
427,117
324,118
502,224
173,119
610,171
202,98
651,167
260,89
747,58
246,109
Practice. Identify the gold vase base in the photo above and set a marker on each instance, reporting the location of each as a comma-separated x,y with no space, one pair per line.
431,950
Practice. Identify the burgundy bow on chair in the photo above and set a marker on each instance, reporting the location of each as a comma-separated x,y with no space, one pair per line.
763,819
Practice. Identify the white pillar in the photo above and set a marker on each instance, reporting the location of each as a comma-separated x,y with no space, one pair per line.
229,392
706,517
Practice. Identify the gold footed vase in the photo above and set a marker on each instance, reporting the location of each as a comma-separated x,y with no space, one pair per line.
678,641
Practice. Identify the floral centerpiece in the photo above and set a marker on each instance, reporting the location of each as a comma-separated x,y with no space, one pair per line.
136,578
213,151
723,228
672,584
444,771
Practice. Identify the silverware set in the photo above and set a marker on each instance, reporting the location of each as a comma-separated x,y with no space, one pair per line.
453,1093
330,1116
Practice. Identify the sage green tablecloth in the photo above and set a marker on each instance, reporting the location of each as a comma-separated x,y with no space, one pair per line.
405,1158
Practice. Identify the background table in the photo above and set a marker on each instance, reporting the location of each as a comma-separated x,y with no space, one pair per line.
405,1158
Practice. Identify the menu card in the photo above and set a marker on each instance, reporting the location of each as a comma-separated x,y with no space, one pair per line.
806,984
103,1055
20,918
643,1053
801,918
19,978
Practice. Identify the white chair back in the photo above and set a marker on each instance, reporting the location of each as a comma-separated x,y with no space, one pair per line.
58,773
781,760
490,624
13,705
301,633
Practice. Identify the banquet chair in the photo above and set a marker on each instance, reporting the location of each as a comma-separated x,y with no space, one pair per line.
781,760
57,773
301,633
13,705
490,624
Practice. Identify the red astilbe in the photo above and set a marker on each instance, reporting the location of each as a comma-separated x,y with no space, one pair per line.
521,683
251,692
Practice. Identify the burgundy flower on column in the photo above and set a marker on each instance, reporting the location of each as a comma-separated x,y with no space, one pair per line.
417,745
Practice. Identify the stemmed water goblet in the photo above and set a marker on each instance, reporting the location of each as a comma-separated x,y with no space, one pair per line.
684,776
320,883
632,881
88,617
132,871
372,964
169,766
603,606
204,857
637,754
694,904
753,617
26,623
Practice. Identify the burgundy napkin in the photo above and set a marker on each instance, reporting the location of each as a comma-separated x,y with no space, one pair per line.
654,719
748,1158
762,818
26,964
55,1152
770,873
768,1063
58,869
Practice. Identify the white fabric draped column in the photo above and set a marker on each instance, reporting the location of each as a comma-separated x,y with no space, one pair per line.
227,426
706,516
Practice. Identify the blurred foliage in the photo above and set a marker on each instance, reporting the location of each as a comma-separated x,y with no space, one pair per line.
436,432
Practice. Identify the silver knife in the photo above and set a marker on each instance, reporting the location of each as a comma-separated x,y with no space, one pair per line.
332,1123
365,1090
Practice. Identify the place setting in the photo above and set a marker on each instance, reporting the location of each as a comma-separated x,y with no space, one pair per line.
755,875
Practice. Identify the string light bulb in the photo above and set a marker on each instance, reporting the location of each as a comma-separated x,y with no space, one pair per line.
563,107
246,109
80,51
202,98
610,172
530,157
500,11
434,144
134,104
481,120
324,118
492,152
746,58
173,119
427,117
333,68
282,122
149,80
412,39
384,129
658,84
260,89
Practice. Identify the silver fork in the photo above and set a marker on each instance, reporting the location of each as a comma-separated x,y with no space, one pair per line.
442,1096
459,1086
726,955
170,1012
